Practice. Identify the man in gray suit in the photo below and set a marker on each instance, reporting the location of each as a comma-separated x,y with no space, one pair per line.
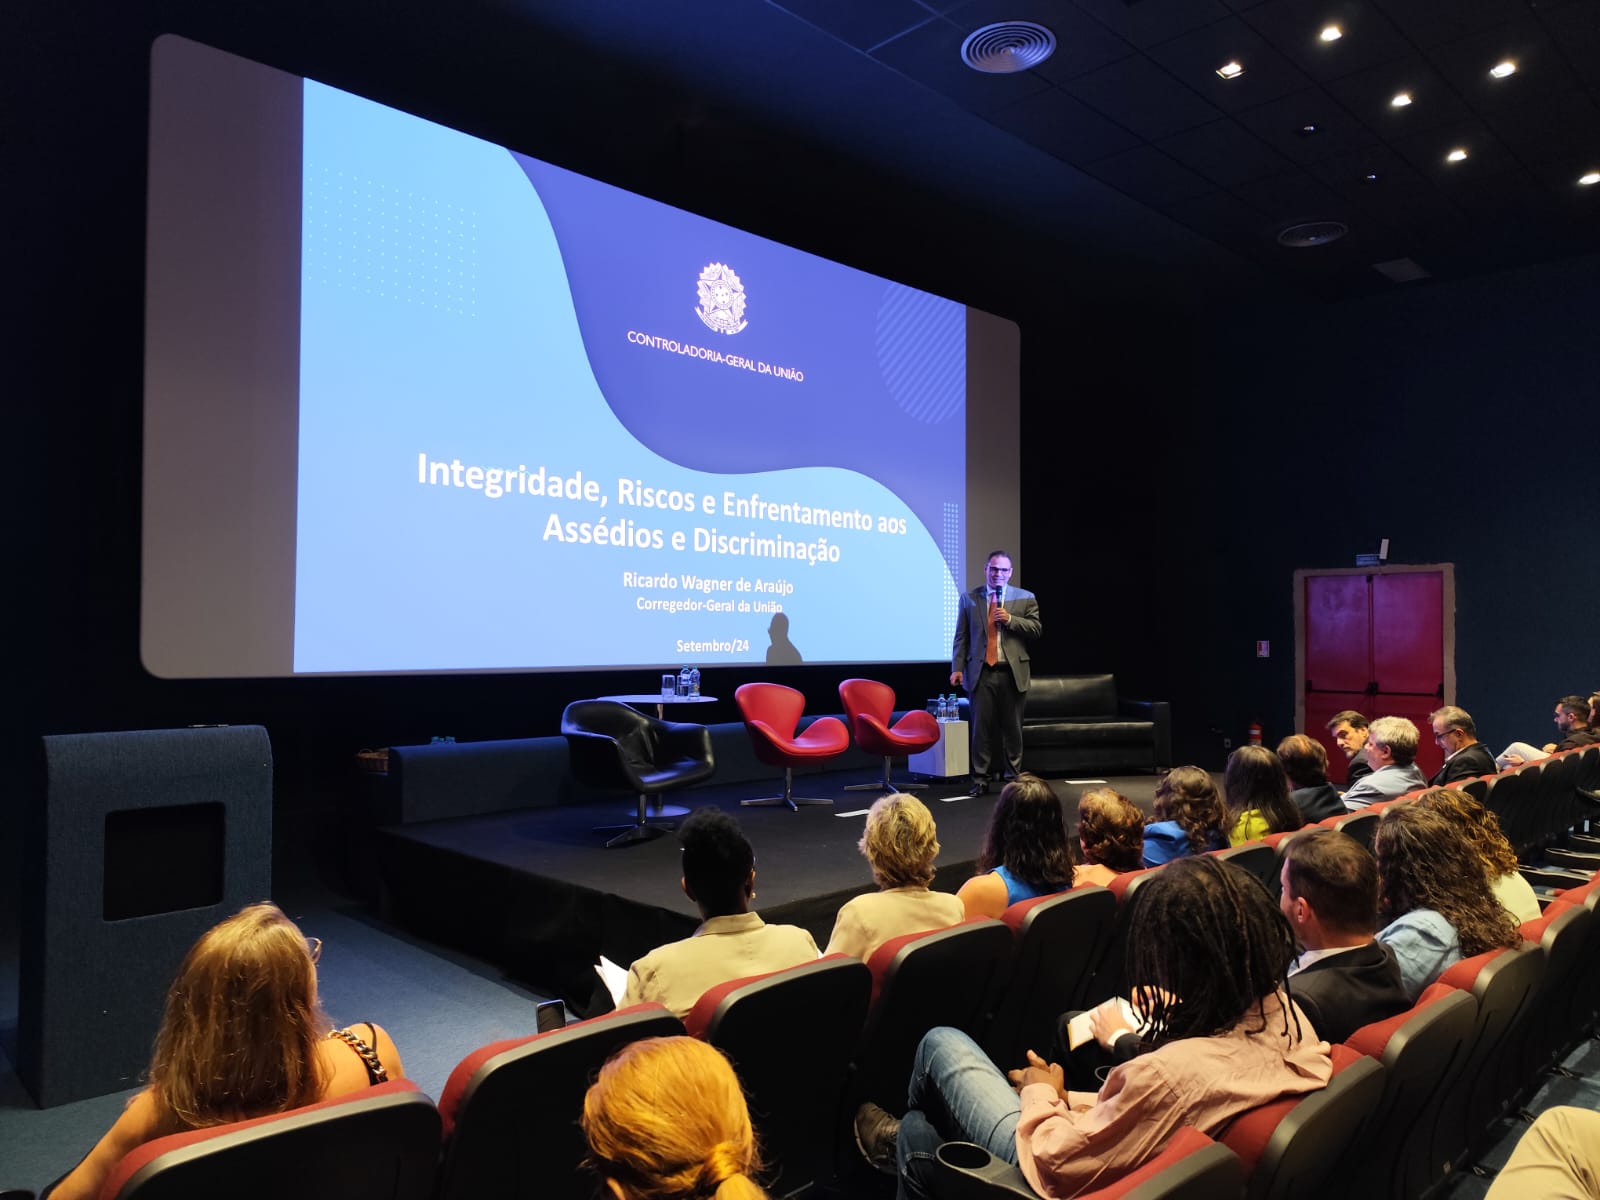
989,657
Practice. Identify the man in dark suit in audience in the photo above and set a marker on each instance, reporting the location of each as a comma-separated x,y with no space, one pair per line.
1465,757
1345,978
1349,729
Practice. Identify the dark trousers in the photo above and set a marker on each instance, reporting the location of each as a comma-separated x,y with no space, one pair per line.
996,716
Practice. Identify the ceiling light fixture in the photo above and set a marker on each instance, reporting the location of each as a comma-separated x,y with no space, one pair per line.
1456,155
1401,99
1230,70
1591,178
1331,33
1370,177
1502,69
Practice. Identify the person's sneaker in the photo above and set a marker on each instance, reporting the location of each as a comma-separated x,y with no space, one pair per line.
876,1134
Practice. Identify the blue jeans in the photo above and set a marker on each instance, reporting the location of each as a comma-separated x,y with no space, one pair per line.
956,1095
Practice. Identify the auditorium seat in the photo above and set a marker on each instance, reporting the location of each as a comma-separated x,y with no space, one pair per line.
1258,858
510,1108
1190,1167
613,747
1566,933
790,1036
1109,977
1361,825
1059,940
378,1144
771,715
1288,1148
869,708
1503,982
919,981
1421,1051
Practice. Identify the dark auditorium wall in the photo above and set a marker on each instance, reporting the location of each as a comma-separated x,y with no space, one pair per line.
1458,421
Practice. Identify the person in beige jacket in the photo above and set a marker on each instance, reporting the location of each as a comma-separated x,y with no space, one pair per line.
900,844
719,875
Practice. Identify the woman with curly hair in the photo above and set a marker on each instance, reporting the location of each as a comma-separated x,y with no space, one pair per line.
900,844
1257,790
667,1120
1025,851
242,1036
1190,817
1110,836
1482,828
1434,900
1208,954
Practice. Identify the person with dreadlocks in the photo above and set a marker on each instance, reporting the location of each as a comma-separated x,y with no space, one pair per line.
1434,899
1208,953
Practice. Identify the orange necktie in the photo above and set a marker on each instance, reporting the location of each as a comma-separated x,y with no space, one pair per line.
991,651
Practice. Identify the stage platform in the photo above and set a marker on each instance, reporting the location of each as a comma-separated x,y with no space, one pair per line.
537,891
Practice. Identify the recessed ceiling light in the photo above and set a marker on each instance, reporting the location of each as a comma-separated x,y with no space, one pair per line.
1370,177
1591,178
1230,70
1401,99
1308,129
1456,155
1502,69
1331,33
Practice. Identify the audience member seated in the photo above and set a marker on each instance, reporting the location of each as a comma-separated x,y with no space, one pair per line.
666,1120
1349,729
1392,754
1306,763
900,844
1465,757
1025,852
1257,791
1207,954
1344,978
1482,829
1110,836
1190,817
1559,1156
719,875
1434,900
243,1035
1572,720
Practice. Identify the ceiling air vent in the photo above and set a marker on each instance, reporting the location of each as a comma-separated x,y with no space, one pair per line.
1007,47
1312,233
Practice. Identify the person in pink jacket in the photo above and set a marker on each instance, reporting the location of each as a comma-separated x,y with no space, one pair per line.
1208,958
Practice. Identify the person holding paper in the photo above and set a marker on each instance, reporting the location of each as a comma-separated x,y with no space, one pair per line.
989,657
1208,953
719,875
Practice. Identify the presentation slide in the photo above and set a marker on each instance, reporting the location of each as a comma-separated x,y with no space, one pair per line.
489,414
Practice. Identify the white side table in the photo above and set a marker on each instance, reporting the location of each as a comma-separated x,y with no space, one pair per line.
946,758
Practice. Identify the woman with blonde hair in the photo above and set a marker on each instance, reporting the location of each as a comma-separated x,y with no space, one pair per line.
666,1120
1110,836
242,1036
900,844
1482,829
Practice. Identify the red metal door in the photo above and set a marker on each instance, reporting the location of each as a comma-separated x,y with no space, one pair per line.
1374,643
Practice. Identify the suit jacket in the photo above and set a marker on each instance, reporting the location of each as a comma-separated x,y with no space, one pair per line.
1318,802
1345,991
971,640
1469,763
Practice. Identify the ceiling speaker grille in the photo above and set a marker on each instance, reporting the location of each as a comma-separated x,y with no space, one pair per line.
1007,47
1312,233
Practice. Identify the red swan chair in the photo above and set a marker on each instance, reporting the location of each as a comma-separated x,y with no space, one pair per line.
771,714
869,706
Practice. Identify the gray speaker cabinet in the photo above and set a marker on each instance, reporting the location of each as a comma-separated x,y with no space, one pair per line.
138,843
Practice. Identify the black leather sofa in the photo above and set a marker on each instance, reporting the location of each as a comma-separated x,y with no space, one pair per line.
1079,723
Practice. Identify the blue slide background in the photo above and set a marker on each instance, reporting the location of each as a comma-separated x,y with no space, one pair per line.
470,304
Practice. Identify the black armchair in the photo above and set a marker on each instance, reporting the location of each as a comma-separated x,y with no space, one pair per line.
617,748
